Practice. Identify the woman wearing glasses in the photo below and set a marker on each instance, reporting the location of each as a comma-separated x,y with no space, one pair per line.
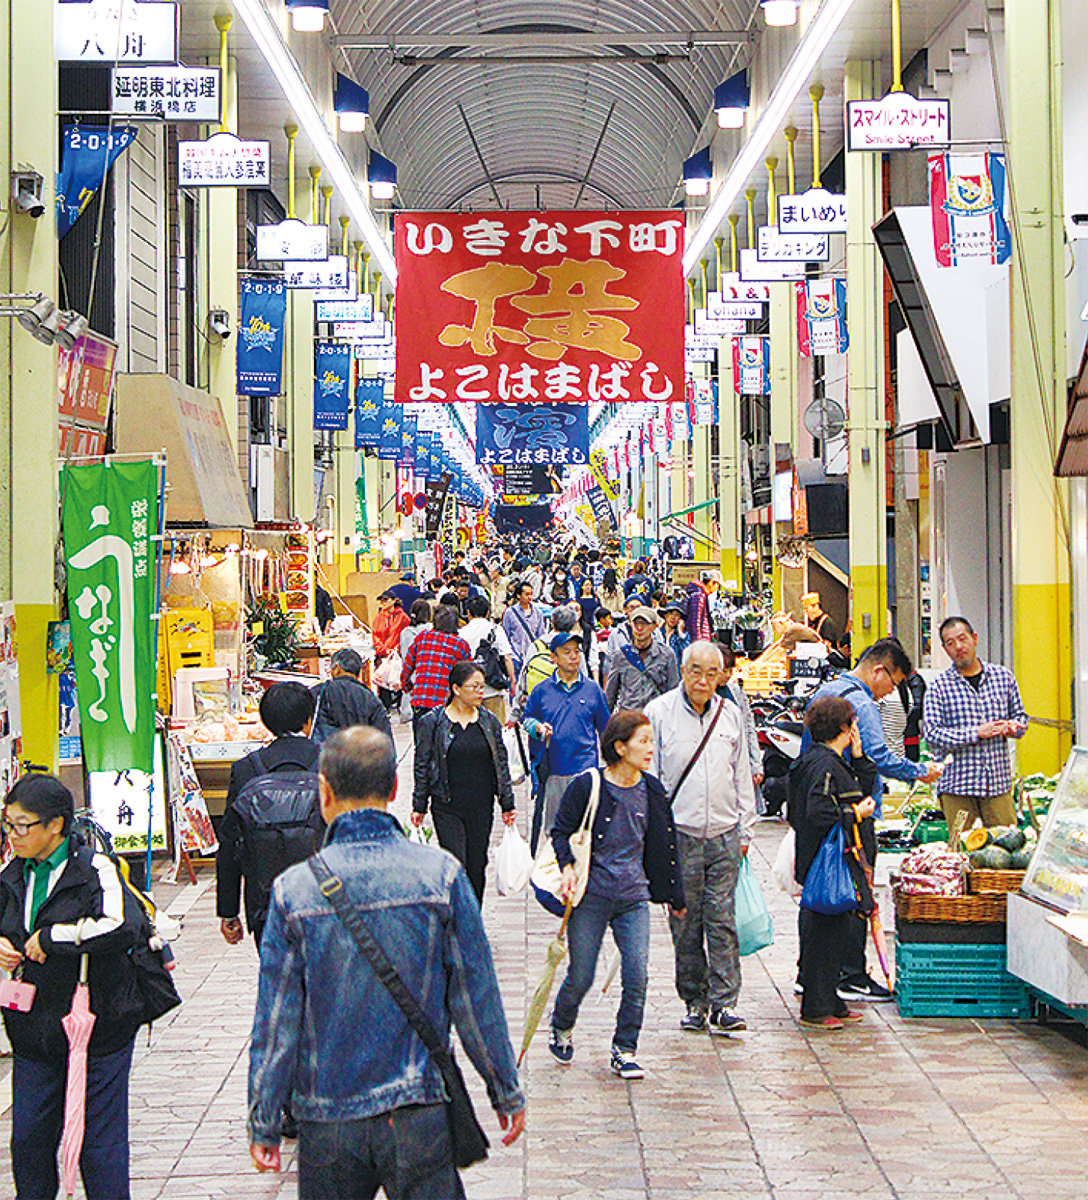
59,901
461,769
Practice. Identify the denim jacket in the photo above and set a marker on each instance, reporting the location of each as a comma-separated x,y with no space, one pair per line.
326,1034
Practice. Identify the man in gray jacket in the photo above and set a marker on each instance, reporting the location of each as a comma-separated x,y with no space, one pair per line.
714,810
643,668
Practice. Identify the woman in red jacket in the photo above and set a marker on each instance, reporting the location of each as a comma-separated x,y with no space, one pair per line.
388,626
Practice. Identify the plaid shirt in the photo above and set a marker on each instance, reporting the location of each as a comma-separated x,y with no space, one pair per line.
952,714
426,673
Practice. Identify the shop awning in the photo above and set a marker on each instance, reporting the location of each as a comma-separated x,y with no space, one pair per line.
1073,454
204,487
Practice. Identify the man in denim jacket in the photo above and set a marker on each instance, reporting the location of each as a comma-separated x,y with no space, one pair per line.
368,1099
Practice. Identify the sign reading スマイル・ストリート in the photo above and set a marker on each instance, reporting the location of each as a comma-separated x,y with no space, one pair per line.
553,306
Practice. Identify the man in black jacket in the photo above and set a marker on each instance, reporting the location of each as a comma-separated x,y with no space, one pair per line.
287,710
345,700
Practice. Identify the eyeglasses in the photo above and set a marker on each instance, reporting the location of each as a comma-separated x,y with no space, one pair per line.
19,828
709,674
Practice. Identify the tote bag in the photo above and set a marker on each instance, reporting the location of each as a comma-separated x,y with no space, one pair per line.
829,887
547,876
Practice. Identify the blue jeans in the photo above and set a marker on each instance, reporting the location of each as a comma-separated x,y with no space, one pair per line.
37,1122
630,923
407,1152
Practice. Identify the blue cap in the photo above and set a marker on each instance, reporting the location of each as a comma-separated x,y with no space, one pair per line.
561,639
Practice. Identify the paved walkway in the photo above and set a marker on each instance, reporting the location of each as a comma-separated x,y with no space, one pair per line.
890,1110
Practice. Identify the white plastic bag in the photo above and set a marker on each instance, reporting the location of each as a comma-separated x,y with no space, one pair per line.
513,862
513,755
784,862
388,674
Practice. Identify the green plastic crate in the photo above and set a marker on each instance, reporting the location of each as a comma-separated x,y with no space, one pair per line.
931,831
967,980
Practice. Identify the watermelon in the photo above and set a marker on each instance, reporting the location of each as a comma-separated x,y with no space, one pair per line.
1012,839
991,858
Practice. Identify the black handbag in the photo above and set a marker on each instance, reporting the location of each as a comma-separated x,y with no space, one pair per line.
469,1142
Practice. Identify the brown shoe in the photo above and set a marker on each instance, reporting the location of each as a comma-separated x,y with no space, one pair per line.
823,1024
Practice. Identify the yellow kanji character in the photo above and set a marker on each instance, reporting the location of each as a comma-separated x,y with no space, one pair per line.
577,292
485,286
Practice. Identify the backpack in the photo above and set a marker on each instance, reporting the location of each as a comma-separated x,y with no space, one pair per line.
280,815
490,662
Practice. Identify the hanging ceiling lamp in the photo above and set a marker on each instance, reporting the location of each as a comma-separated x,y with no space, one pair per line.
779,12
731,100
308,16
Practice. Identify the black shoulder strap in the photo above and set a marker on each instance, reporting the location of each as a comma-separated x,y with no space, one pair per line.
332,888
262,766
698,751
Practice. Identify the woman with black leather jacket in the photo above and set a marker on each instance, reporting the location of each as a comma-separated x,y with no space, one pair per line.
59,902
461,768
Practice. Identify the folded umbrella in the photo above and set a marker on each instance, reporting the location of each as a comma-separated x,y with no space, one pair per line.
880,942
557,951
77,1026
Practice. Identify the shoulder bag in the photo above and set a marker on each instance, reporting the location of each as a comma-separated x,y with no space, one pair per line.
547,876
468,1140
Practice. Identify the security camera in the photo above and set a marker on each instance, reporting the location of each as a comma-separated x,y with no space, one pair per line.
219,322
26,193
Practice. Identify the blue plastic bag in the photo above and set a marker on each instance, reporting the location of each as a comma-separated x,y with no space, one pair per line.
755,929
829,886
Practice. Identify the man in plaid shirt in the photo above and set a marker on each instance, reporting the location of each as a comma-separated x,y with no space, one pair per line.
970,711
426,674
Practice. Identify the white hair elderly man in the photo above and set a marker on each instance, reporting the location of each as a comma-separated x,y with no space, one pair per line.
702,759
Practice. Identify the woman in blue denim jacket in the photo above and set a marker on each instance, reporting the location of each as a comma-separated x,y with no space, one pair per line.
633,862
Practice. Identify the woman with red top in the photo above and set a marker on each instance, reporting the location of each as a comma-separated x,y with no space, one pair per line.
388,626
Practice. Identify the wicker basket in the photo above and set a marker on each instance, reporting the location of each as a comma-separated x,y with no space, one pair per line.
979,909
991,882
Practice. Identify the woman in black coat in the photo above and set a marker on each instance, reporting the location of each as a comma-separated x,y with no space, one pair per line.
461,768
826,790
61,904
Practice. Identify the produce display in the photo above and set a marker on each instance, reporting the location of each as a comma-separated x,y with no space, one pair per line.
932,870
1058,873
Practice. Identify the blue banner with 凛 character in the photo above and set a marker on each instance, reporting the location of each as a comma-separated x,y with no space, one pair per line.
262,313
532,433
369,409
332,378
89,152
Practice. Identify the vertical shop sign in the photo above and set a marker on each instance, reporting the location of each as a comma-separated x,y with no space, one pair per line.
260,337
88,153
84,388
10,723
752,366
821,317
369,407
967,207
110,512
598,464
549,307
332,376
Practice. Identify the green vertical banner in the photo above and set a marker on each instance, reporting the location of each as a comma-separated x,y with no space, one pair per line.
361,527
110,515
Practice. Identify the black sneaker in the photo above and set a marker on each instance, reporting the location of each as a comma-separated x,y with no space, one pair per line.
864,988
561,1045
695,1020
724,1020
624,1065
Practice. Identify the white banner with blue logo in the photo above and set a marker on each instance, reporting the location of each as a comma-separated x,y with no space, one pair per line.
332,378
821,317
369,408
532,433
752,366
967,206
260,337
89,152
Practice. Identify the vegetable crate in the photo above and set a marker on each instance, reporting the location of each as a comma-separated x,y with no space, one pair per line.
957,981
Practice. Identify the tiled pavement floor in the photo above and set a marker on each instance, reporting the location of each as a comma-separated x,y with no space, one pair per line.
890,1109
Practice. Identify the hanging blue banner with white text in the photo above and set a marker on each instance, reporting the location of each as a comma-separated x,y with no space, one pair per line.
389,443
262,314
408,432
332,375
369,407
532,433
89,152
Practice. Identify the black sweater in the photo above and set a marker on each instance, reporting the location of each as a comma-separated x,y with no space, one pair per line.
823,789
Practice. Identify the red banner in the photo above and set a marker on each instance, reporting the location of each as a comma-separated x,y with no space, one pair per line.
574,306
84,387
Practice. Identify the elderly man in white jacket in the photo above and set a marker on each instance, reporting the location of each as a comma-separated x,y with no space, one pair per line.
701,756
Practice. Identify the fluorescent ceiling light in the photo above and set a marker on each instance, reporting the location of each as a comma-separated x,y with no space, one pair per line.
780,12
801,65
270,42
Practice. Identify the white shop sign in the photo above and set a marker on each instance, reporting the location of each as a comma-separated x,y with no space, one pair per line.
345,310
292,241
698,354
167,93
743,310
814,211
898,122
115,31
332,273
723,326
699,341
363,331
752,270
775,246
734,288
335,292
224,160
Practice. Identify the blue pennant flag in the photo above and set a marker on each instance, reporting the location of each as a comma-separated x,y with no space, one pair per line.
260,337
408,432
332,376
89,152
390,443
369,409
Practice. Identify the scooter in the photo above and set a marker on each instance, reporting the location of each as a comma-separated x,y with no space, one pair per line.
780,739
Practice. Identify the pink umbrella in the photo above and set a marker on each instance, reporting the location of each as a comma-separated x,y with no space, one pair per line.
77,1025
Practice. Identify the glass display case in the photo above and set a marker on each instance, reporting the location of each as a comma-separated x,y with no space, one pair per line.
1058,874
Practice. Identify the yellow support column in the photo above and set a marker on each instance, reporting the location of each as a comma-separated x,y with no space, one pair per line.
729,477
220,209
28,395
865,300
1040,537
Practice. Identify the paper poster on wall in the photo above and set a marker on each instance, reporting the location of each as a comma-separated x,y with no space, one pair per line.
69,746
11,729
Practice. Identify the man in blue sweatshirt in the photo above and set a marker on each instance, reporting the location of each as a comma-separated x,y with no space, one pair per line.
567,713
